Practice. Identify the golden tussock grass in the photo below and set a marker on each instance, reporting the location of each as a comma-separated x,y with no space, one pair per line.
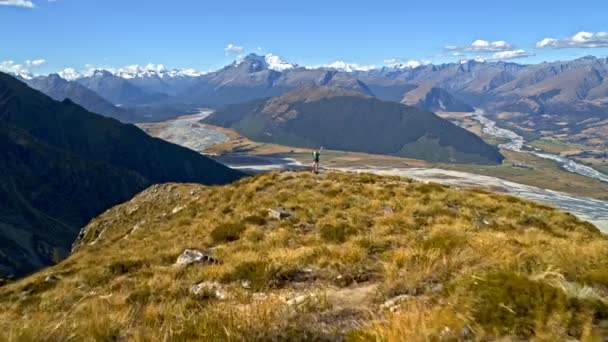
452,264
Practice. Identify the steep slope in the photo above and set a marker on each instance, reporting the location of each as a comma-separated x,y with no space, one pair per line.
357,257
343,119
46,194
62,165
435,99
59,89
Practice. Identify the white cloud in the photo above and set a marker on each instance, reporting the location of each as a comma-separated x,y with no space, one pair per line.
478,59
399,64
35,62
580,40
234,50
511,54
15,68
69,74
344,66
276,63
17,3
482,46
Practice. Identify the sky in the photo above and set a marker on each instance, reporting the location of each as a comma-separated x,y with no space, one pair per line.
45,36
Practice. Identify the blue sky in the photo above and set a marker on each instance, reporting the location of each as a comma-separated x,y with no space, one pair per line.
194,34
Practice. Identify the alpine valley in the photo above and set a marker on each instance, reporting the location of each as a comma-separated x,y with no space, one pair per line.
460,201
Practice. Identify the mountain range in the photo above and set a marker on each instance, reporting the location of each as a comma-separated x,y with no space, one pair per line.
62,165
568,96
345,119
60,89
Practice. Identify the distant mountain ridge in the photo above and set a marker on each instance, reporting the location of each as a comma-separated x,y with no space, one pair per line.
60,89
566,97
61,165
343,119
435,99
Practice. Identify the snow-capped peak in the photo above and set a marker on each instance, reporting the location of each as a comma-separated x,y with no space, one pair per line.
410,64
69,74
154,70
276,63
344,66
130,72
16,69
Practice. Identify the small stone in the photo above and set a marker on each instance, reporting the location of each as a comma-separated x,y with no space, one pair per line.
280,213
388,211
132,209
246,284
299,299
192,256
209,289
51,279
177,209
436,289
303,275
466,333
260,296
304,227
394,303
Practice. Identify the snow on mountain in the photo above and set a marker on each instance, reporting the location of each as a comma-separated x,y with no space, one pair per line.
344,66
131,71
70,74
276,63
154,70
399,64
16,69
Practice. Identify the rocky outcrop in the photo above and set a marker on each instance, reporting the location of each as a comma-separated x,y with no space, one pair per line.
192,256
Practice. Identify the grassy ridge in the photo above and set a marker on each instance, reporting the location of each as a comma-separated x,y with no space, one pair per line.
362,258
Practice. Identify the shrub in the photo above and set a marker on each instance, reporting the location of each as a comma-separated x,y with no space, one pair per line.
227,232
255,220
38,286
252,271
336,233
264,275
445,241
139,296
428,188
124,267
507,303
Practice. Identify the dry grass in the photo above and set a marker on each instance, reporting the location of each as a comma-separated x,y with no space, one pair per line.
467,263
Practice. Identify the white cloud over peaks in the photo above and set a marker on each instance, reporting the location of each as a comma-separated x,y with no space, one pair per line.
69,74
580,40
482,46
276,63
399,64
17,3
344,66
234,50
511,54
35,62
15,68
